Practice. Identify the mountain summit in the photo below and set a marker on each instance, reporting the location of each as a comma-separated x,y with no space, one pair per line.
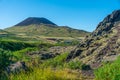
35,20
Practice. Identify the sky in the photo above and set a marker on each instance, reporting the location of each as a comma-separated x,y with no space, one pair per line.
78,14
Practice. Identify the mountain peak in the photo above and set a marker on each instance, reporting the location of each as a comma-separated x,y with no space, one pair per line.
35,20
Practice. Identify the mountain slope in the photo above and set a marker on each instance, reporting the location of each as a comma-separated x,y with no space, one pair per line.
45,28
102,45
3,32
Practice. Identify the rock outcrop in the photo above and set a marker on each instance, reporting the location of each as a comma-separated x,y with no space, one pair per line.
17,67
102,45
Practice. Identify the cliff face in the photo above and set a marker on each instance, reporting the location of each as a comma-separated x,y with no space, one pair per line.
102,45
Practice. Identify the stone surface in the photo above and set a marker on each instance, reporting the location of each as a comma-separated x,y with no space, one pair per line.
17,67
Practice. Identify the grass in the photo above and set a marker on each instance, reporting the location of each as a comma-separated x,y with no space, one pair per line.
47,74
5,60
67,43
110,71
74,65
21,55
51,69
14,45
56,62
49,31
60,62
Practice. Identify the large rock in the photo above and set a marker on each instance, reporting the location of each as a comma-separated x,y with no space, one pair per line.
17,67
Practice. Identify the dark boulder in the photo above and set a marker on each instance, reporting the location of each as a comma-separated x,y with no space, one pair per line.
47,56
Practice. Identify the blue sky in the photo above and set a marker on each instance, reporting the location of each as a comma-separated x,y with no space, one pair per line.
79,14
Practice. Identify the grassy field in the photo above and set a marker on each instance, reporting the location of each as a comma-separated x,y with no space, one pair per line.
13,50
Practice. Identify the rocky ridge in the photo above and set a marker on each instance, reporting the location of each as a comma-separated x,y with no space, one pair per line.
102,45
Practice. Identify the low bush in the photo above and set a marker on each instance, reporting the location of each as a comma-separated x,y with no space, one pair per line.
46,74
5,61
58,61
14,45
67,43
74,64
110,71
22,54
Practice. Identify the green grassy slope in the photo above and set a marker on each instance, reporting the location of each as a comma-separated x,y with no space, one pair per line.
3,32
47,30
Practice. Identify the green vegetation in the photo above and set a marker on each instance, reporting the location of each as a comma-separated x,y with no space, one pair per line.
58,61
67,43
110,71
14,45
47,30
22,54
15,49
52,69
47,74
5,60
39,51
74,65
3,32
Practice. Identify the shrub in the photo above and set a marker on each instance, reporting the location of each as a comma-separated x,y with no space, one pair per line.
58,61
46,74
110,71
67,43
77,65
5,60
14,45
74,64
22,54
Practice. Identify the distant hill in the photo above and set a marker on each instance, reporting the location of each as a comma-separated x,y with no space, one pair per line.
44,27
102,45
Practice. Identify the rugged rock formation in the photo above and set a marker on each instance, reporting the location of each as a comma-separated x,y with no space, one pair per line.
102,45
108,23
